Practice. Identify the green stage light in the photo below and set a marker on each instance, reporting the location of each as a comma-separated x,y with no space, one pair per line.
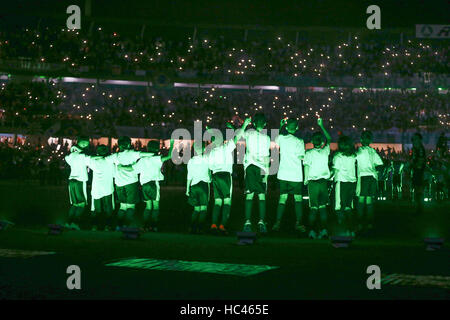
131,233
5,224
433,244
246,238
55,229
341,241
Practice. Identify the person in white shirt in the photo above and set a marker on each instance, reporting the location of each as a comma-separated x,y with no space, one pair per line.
102,192
221,160
367,160
256,167
126,181
344,172
77,182
317,174
197,186
290,173
149,170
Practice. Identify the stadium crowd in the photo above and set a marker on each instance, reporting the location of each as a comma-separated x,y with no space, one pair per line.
36,105
213,57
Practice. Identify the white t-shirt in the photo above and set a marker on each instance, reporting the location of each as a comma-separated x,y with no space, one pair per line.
124,176
103,176
344,167
367,161
149,169
257,149
292,151
221,158
198,170
317,161
78,168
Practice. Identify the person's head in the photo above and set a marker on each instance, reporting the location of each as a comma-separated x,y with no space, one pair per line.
366,138
124,143
83,142
216,140
259,121
345,145
291,126
153,146
317,139
417,140
102,150
199,147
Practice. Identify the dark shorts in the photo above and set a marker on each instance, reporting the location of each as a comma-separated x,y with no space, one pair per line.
76,191
290,187
345,192
104,204
128,193
199,194
221,182
318,193
150,191
368,187
254,180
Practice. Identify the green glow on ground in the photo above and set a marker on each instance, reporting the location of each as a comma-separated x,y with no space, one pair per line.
242,270
416,281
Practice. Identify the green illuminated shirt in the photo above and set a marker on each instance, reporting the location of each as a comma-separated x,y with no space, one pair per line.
292,151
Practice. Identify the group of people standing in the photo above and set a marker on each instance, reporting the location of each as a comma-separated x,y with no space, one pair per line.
353,172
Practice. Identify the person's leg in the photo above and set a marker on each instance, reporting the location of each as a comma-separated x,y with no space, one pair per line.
130,215
262,206
202,217
72,214
218,202
313,222
226,211
349,218
108,207
346,194
79,214
133,197
95,217
280,211
262,213
194,219
121,215
248,209
147,213
77,194
314,208
323,220
298,200
155,215
360,210
369,204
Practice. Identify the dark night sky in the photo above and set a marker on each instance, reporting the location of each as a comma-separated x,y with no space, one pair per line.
394,13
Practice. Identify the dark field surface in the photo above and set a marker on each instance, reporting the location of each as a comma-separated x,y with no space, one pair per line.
307,269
